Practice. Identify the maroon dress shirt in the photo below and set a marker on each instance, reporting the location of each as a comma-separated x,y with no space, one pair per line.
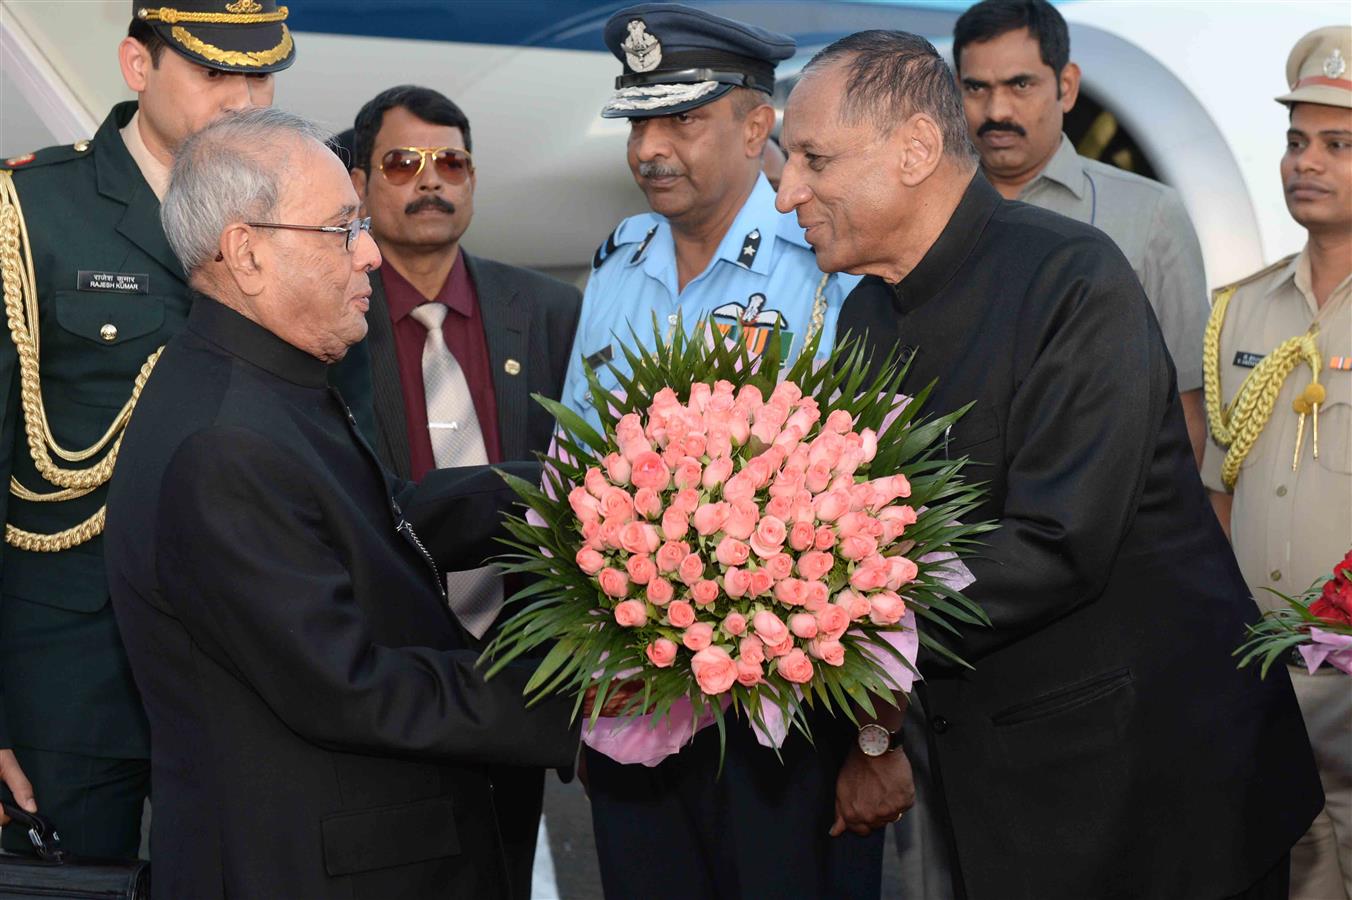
464,332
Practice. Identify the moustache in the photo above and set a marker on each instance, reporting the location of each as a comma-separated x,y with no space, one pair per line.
1306,184
431,201
991,125
656,170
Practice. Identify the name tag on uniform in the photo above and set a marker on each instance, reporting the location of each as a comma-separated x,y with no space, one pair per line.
1246,360
600,357
113,282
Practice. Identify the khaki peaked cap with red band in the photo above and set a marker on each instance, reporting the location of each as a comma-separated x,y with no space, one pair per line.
245,36
1319,69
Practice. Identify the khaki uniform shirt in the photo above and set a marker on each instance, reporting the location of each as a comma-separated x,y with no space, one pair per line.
1148,223
1289,528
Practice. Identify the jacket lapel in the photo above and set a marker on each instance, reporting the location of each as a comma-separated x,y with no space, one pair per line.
507,331
388,396
121,180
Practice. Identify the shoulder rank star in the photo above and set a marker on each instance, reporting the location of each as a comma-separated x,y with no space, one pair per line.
642,51
750,247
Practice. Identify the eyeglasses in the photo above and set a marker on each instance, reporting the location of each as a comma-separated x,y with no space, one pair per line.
352,229
403,164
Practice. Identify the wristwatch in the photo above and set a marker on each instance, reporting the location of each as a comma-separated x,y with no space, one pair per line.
875,740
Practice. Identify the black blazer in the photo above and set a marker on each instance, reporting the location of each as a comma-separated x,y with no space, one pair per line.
318,728
1105,745
528,317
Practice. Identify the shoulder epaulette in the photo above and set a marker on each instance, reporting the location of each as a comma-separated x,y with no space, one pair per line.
47,156
1249,279
632,230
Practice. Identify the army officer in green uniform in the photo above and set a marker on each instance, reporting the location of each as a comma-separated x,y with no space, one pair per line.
91,292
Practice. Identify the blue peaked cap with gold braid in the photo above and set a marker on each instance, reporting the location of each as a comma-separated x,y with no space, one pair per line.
245,36
677,58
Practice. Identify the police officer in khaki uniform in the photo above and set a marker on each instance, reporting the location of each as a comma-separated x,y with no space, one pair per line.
91,292
1278,378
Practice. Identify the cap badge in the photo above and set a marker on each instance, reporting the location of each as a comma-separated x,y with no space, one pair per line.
641,50
244,7
1335,65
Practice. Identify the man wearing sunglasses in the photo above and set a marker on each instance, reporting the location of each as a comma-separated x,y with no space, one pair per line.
103,293
696,91
458,345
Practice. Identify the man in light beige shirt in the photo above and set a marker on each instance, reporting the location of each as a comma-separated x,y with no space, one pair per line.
1287,510
1018,84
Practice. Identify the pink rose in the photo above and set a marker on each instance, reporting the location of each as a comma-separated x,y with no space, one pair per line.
660,591
824,539
774,651
795,667
759,470
614,583
688,473
817,477
617,505
700,394
691,569
839,421
589,561
631,613
732,552
802,420
685,502
765,430
650,471
742,516
870,575
800,536
734,623
617,468
886,608
751,649
710,518
832,620
815,564
815,595
716,472
704,592
585,506
714,670
680,614
787,392
718,440
670,554
780,507
694,445
595,482
780,566
738,487
804,625
900,571
641,569
868,444
674,524
698,636
789,482
591,535
854,603
857,546
789,592
895,520
647,503
828,651
736,583
661,652
769,628
761,583
852,523
831,505
769,537
639,537
609,534
749,674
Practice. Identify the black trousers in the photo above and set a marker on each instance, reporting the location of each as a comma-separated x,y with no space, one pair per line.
95,804
680,831
518,797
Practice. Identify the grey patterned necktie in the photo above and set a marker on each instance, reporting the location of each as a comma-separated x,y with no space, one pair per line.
457,440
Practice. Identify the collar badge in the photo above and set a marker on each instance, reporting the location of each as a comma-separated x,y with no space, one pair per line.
642,51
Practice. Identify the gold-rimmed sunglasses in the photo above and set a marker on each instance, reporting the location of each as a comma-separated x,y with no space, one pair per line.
403,164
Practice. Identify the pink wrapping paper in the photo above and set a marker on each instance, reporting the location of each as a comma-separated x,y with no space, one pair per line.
1335,649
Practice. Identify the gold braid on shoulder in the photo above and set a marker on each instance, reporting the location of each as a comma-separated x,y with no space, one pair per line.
21,313
1236,425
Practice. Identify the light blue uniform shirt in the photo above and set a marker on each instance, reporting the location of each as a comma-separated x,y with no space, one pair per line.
763,272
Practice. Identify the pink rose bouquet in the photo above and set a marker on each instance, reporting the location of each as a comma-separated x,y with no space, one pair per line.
734,540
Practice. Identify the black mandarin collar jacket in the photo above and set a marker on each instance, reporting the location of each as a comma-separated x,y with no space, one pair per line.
1105,744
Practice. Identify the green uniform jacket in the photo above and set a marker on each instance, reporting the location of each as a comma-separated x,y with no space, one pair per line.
64,680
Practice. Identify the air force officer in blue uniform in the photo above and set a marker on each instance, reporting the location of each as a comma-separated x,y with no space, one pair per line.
696,91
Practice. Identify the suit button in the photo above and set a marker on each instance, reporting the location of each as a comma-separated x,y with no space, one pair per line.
1276,575
1281,490
108,332
939,724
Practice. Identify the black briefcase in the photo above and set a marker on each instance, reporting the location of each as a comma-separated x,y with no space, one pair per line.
50,872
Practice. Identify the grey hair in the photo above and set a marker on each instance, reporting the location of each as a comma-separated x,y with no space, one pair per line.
228,172
891,76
